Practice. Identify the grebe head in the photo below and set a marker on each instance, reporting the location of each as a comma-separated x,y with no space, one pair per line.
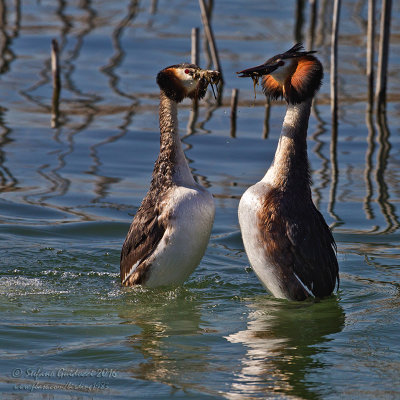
186,80
295,75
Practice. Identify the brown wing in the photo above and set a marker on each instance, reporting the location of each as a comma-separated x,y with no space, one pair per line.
298,241
314,250
145,233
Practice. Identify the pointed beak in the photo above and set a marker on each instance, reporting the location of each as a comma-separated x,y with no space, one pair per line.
258,71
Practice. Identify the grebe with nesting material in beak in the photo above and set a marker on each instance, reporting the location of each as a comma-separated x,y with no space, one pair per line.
289,245
171,229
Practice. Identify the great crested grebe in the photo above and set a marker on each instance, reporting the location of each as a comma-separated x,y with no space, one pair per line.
171,229
289,245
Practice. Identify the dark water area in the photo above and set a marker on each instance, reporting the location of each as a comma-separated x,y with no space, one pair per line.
69,189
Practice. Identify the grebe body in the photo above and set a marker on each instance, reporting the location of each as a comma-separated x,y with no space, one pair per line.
289,245
171,229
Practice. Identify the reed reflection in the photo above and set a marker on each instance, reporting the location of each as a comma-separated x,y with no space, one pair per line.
84,29
378,134
117,59
7,180
67,63
103,183
45,73
369,167
387,208
323,172
6,53
55,67
58,185
284,342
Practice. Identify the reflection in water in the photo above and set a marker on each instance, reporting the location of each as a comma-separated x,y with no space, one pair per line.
370,54
86,102
369,165
334,173
211,104
7,181
283,341
388,210
117,59
103,182
55,69
58,185
6,54
194,114
368,115
318,150
67,66
169,325
87,27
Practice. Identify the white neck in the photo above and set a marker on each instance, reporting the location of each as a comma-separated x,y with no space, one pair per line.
290,161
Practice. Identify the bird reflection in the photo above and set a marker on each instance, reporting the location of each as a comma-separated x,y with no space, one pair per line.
168,322
282,342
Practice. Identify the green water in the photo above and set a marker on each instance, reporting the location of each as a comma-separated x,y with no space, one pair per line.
68,330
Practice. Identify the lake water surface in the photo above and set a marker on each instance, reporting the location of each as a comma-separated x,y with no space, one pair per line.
68,193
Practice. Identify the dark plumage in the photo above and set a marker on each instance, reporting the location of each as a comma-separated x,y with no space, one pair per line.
296,238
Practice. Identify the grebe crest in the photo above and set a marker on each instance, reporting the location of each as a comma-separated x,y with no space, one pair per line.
295,75
186,80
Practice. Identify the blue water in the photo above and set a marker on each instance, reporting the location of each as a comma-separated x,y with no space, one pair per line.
68,330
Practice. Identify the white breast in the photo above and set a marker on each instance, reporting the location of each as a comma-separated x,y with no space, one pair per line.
185,241
249,208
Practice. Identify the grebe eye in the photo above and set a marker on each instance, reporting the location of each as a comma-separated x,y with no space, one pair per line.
281,63
187,71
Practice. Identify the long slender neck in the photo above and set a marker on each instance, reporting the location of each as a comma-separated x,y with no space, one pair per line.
290,168
171,166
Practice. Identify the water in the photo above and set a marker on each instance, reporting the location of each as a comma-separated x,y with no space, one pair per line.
68,329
